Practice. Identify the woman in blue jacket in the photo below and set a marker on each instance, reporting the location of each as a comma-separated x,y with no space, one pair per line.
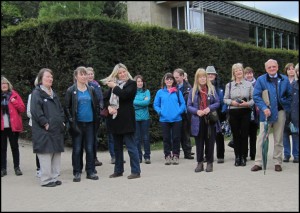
169,105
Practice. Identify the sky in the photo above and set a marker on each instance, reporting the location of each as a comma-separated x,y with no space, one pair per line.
285,9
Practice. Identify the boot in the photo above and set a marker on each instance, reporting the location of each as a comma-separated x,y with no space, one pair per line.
199,167
243,161
209,167
237,161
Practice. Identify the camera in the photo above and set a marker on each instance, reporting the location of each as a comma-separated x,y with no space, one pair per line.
240,100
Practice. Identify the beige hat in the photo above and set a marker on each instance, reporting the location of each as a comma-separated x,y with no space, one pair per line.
211,70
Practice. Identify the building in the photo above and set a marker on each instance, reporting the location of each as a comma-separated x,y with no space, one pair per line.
226,20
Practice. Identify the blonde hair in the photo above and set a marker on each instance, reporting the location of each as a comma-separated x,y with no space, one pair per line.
114,74
234,67
90,69
4,80
211,89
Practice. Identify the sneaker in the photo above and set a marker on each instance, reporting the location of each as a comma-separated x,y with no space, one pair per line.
296,160
3,172
92,176
286,159
168,160
147,161
77,177
50,184
114,175
133,176
18,171
38,173
97,162
175,160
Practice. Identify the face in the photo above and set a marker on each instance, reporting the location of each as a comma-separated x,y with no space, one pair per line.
249,76
271,68
139,83
82,77
178,77
90,75
290,71
169,82
211,76
4,87
122,74
47,79
202,80
238,73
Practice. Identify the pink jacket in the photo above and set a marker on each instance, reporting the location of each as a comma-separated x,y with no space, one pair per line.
15,109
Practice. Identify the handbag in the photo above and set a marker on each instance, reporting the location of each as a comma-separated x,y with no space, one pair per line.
293,128
213,117
104,112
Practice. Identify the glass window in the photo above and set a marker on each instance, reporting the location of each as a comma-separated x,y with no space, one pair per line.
261,35
284,41
174,17
196,20
291,42
269,38
181,18
252,34
277,40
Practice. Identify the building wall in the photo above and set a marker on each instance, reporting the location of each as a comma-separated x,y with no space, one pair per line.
149,12
223,27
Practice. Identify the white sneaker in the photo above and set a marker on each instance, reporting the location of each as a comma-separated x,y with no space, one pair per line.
175,160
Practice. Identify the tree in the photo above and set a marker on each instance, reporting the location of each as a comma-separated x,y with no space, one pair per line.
10,14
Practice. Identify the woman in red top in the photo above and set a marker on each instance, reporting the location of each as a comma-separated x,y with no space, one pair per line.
11,124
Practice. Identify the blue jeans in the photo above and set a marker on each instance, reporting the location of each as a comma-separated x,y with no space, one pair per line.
128,140
171,133
142,137
110,142
84,139
287,145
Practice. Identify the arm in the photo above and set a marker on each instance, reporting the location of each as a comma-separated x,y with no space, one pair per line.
17,102
182,103
190,105
143,103
157,102
28,107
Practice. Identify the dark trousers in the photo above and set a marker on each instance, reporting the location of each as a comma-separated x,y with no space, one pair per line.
205,139
253,127
185,137
220,145
239,121
171,134
13,140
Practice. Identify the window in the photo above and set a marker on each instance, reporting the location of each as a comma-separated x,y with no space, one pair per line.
178,18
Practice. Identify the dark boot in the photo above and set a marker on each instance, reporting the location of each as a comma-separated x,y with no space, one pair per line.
237,161
243,161
199,167
209,167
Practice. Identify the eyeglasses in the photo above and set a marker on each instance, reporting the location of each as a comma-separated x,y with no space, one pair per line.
169,79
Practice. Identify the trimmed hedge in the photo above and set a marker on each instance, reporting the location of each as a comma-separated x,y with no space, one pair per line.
101,43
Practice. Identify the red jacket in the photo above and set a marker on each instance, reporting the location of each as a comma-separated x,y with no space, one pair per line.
15,107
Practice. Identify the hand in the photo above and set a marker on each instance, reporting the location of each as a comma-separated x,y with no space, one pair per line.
112,110
206,110
111,84
244,104
12,100
234,103
200,113
46,126
267,112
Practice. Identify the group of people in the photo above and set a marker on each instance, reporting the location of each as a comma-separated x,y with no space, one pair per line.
183,111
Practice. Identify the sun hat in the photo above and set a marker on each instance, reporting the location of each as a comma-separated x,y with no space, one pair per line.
211,70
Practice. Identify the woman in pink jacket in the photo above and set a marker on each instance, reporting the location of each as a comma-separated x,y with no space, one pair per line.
11,124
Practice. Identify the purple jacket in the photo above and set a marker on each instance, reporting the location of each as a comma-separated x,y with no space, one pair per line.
193,108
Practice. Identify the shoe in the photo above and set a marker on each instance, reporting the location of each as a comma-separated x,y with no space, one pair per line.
192,153
286,159
176,160
199,167
243,161
113,161
77,177
237,161
278,168
58,182
18,171
50,184
205,160
133,176
92,176
168,160
114,175
189,156
209,167
3,172
256,168
296,160
231,144
97,162
147,161
220,160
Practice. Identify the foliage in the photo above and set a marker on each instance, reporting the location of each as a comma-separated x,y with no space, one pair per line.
10,14
101,43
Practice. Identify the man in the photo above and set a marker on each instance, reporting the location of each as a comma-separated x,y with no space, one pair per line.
185,88
280,97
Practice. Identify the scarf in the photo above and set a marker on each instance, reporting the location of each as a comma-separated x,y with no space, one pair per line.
203,98
114,99
4,102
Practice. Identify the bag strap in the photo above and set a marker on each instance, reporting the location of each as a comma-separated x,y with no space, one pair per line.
177,93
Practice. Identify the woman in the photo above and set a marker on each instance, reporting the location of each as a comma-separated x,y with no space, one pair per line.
202,100
121,119
11,125
93,83
169,105
47,128
82,111
140,103
240,101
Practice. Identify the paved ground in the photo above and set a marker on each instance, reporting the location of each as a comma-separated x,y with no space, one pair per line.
161,188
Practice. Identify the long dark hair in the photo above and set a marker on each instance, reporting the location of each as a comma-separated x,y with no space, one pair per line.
144,88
